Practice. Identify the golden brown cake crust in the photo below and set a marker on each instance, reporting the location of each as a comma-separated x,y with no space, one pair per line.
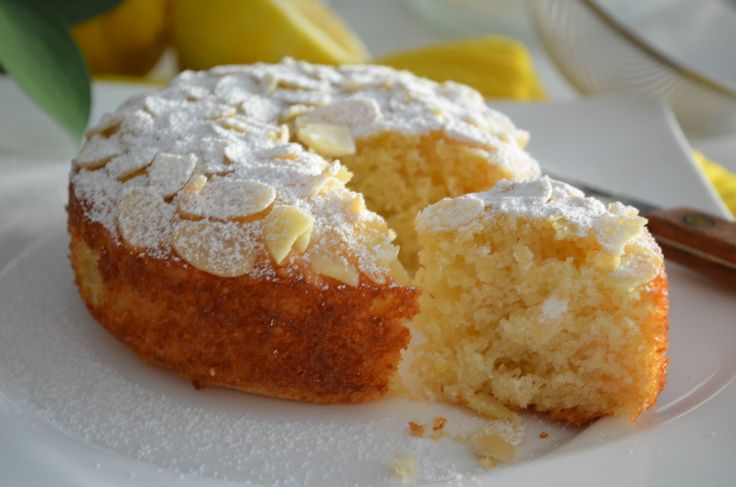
277,337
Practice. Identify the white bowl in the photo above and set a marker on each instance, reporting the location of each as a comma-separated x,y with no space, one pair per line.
678,51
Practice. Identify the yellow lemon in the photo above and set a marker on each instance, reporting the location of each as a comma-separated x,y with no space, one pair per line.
496,66
127,40
721,178
215,32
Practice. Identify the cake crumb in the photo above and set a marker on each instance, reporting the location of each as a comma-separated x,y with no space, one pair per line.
439,423
416,429
493,443
494,446
404,467
543,435
488,463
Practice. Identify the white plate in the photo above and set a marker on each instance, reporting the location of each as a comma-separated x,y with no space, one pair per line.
77,408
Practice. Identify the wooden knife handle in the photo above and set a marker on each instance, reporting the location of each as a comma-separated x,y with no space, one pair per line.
703,242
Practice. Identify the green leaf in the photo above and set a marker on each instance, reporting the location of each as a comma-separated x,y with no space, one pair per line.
75,11
37,50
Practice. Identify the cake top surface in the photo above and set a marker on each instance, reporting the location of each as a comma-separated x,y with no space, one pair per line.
571,213
196,169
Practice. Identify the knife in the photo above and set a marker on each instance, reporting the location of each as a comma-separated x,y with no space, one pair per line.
701,241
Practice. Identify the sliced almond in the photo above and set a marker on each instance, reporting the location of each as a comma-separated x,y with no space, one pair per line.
108,125
234,124
97,152
124,166
143,218
339,172
378,239
334,267
357,205
335,175
195,184
234,89
138,122
494,446
280,135
298,81
488,462
168,173
219,112
293,112
221,249
194,93
226,199
268,83
351,112
283,227
302,242
285,152
302,97
327,139
449,214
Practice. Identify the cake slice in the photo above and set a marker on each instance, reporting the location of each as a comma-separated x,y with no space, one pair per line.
534,296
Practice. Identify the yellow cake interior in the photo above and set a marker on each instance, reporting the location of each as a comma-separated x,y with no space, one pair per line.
512,314
400,174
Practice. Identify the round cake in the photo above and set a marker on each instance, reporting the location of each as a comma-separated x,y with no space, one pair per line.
535,296
212,230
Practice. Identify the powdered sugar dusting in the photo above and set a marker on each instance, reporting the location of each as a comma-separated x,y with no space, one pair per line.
234,123
449,214
614,226
572,214
544,199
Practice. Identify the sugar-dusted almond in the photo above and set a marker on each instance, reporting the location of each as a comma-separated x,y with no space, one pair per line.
226,199
97,152
284,226
168,173
327,139
124,166
335,267
143,218
221,249
335,175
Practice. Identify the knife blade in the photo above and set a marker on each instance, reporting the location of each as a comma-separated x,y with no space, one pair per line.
703,242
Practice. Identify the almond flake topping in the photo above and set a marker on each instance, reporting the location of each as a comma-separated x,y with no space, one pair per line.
170,172
222,249
143,218
284,227
327,139
226,199
237,163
